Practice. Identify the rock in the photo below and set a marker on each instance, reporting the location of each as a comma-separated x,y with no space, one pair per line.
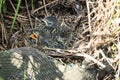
31,64
28,63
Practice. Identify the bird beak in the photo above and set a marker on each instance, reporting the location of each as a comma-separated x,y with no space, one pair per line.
45,21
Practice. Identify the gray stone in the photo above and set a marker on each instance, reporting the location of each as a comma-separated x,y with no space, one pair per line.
31,64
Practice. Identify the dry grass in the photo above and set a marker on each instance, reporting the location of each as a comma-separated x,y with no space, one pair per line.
103,27
96,34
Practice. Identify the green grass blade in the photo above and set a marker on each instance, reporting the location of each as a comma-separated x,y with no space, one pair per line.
25,77
15,16
1,5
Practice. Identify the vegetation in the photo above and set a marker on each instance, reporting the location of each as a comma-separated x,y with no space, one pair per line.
95,25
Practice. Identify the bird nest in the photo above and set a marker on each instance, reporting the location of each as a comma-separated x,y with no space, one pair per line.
81,27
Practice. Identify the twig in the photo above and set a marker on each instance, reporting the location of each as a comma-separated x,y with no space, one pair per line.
61,50
43,6
118,58
4,36
76,53
12,5
29,14
91,58
107,59
78,18
88,11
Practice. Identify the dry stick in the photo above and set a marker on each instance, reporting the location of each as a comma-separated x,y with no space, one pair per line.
4,36
61,50
12,5
107,59
79,54
3,32
91,58
29,14
118,71
44,6
78,19
14,11
88,10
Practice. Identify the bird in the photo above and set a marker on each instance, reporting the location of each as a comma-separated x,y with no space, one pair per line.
50,34
51,22
46,33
